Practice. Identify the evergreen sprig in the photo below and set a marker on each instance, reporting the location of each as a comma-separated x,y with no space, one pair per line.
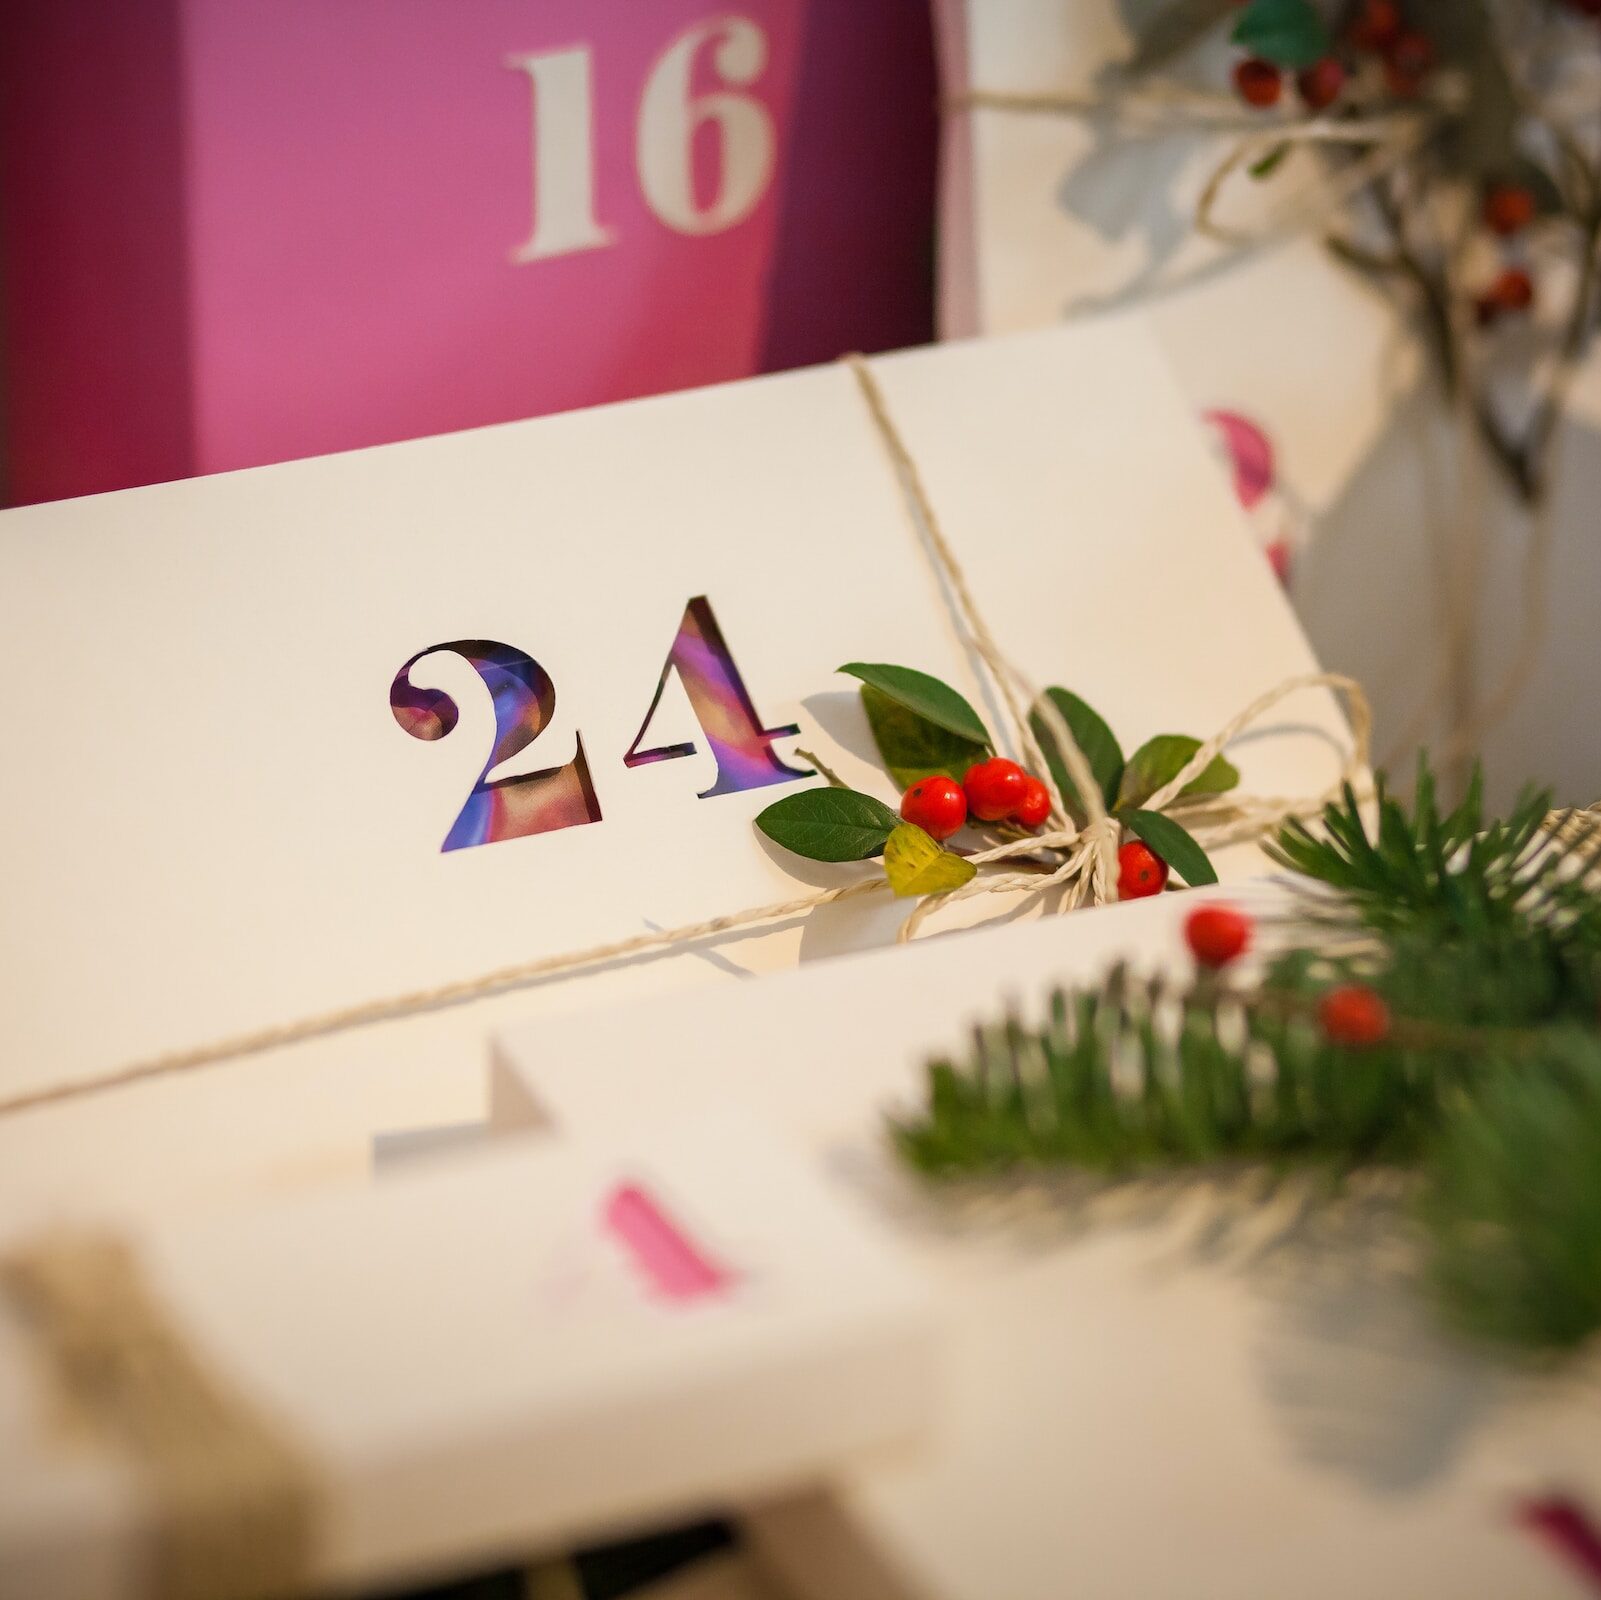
1483,938
1136,1073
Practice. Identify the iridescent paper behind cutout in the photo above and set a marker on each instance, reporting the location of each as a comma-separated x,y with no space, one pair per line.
722,706
524,700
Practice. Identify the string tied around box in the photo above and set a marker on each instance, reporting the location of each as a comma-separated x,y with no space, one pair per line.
1085,874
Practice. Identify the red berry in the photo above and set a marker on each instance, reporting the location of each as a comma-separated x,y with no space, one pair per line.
936,805
1354,1015
1407,62
1512,290
1140,871
1320,84
1217,935
994,789
1376,25
1035,806
1508,208
1259,82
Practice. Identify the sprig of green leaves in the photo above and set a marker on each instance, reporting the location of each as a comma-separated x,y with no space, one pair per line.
922,727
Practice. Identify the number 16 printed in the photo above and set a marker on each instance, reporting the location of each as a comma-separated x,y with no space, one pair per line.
524,699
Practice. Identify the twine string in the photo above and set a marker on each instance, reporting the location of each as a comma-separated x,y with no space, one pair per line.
231,1498
1088,872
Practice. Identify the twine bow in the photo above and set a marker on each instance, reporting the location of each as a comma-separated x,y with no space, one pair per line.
1087,873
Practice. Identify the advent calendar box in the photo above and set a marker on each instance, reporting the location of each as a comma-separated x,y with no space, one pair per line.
319,771
492,1361
240,231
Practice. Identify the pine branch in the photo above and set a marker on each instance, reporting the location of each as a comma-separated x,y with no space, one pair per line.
1452,878
1483,939
1135,1074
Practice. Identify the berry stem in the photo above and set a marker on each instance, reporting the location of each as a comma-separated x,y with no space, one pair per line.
834,779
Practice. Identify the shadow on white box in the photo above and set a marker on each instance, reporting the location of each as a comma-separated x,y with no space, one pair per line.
1150,1391
268,846
1048,216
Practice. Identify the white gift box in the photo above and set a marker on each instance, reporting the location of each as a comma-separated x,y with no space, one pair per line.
482,1361
1046,216
244,718
1140,1400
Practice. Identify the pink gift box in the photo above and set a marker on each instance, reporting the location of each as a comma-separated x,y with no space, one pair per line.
238,231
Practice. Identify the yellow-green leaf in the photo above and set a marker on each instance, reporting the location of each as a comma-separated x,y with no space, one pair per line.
916,863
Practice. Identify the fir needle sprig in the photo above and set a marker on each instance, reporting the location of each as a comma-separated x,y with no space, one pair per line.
1436,1012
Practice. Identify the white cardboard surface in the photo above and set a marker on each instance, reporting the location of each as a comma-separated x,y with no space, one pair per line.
210,820
1139,1402
481,1369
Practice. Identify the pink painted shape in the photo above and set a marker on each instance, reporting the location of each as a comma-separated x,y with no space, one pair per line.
1278,557
674,1264
1566,1527
1251,453
367,289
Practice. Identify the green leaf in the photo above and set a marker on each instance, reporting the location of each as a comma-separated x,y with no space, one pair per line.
916,864
932,700
829,824
913,747
1178,26
1095,739
1267,165
1158,761
1173,844
1289,33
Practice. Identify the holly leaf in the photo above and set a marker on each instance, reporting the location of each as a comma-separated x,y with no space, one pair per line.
930,699
1289,33
1158,761
1095,739
1174,844
917,864
829,824
1176,28
911,746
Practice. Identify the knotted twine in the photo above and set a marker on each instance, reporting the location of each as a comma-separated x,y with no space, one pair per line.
1088,873
230,1499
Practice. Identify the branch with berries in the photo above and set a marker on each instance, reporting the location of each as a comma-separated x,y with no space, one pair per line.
1433,1008
1459,151
955,786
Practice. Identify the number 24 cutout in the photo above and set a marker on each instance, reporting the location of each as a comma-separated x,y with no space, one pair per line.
564,797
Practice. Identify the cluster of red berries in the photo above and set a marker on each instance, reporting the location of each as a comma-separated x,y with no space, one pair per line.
1508,209
999,790
1260,83
1406,56
991,791
1351,1014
